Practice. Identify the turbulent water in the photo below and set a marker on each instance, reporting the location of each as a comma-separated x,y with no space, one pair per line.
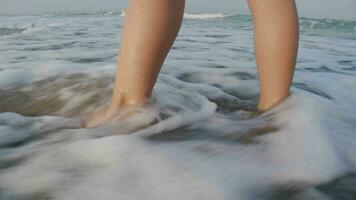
200,136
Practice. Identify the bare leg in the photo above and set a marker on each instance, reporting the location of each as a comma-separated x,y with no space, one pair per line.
276,44
150,29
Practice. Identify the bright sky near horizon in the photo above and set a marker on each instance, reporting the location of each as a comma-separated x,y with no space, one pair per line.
345,9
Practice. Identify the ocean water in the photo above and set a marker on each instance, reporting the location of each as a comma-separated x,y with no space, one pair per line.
200,136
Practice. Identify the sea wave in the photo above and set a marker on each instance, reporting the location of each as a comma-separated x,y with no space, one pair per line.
10,31
342,28
196,15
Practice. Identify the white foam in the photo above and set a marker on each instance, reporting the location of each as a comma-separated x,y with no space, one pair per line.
129,167
12,131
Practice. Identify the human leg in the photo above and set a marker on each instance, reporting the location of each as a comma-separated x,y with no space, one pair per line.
276,43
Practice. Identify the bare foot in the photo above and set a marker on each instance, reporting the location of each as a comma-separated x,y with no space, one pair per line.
112,115
100,116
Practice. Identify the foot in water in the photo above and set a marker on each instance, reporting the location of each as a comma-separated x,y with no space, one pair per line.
100,116
116,115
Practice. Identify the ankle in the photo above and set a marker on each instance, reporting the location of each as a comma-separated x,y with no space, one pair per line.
270,103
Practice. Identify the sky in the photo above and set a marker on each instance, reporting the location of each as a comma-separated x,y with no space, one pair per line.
341,9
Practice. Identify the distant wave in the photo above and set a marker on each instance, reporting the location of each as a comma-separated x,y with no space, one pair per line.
205,15
196,15
339,28
24,28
